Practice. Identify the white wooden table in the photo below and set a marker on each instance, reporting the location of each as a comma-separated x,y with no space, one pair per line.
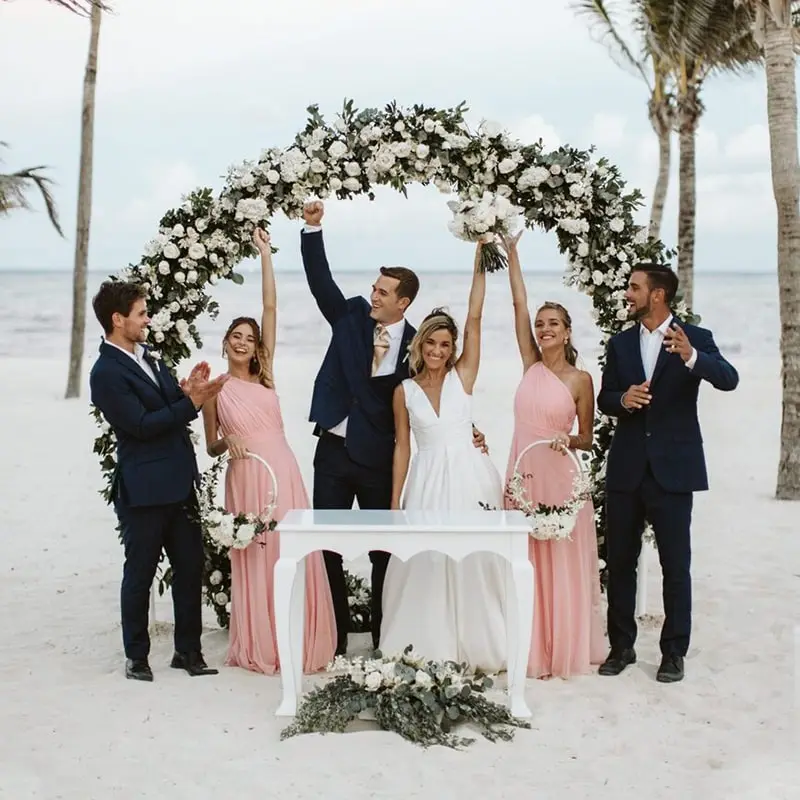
403,533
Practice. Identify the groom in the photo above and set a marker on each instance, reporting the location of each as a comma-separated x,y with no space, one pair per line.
351,404
650,383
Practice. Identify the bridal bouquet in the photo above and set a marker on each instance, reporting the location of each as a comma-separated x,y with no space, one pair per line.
419,699
482,220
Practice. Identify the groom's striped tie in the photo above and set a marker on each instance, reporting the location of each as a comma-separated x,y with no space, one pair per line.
380,347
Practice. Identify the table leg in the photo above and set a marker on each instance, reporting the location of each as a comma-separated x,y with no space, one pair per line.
520,629
285,577
298,624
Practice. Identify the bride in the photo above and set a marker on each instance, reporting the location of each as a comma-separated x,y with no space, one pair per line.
447,611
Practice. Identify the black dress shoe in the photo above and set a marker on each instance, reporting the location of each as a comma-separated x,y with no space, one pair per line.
617,661
671,669
137,669
341,649
193,663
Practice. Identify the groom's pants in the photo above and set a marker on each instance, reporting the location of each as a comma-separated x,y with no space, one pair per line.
145,531
670,514
338,481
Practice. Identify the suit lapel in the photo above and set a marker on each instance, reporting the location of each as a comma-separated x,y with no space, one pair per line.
634,350
402,355
129,363
663,358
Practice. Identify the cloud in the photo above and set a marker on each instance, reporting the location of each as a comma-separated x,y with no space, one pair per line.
164,186
532,128
608,130
751,144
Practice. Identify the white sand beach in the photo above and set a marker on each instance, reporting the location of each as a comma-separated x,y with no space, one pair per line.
73,727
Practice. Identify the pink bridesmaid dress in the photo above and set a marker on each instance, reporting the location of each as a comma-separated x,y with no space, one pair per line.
568,634
252,412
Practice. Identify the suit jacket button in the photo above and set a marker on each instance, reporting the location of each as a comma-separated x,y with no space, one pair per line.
647,433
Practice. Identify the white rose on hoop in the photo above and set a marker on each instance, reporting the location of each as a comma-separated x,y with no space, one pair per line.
550,522
483,220
233,531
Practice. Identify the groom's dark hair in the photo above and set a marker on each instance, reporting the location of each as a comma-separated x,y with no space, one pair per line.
115,297
408,282
660,276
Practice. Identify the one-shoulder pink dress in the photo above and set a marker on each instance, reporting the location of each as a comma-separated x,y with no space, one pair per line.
252,411
568,633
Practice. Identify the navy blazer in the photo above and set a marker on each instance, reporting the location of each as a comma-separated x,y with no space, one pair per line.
666,433
344,386
156,463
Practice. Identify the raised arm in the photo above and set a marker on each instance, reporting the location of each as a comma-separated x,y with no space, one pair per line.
330,300
402,445
269,295
470,358
519,297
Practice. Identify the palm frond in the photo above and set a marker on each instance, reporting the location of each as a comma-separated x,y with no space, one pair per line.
81,7
15,186
604,23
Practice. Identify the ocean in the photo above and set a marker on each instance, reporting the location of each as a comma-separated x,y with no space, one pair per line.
36,309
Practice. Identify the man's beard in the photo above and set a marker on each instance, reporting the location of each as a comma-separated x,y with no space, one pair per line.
636,314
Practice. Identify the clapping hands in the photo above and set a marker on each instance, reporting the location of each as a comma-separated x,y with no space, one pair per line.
198,387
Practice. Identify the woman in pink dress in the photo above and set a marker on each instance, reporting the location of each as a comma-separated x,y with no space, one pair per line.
568,624
246,416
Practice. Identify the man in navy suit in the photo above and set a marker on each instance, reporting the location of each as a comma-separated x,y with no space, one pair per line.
650,383
153,488
352,402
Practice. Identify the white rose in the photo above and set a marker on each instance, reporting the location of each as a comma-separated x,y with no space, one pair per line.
335,184
197,251
163,267
576,190
171,251
352,168
317,166
191,276
174,307
373,682
178,231
388,669
159,336
399,126
506,165
247,180
622,314
597,277
215,578
213,280
180,277
429,126
616,225
246,532
200,225
220,598
555,169
337,150
351,184
273,176
214,518
583,249
402,149
213,258
422,151
423,679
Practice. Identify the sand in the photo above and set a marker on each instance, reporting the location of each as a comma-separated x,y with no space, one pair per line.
73,727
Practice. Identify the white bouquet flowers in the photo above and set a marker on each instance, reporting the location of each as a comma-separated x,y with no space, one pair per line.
482,220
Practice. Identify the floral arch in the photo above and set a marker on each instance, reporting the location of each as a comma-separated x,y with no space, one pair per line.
582,200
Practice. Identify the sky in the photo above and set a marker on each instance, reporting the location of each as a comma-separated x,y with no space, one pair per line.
185,90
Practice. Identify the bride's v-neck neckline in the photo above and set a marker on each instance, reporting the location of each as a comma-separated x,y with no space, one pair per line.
436,413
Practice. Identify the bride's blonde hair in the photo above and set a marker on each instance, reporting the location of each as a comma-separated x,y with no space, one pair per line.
437,320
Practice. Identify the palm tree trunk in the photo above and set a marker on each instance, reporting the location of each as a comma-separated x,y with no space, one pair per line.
687,207
782,114
84,210
662,183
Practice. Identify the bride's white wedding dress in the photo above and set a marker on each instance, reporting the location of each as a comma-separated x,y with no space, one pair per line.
447,610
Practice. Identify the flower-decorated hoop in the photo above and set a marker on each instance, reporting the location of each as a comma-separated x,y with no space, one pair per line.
550,522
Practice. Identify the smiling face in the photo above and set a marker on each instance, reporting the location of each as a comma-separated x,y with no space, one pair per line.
640,297
438,349
387,307
552,332
240,344
132,328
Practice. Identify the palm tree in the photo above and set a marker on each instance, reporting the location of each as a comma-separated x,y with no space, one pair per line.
654,71
775,25
84,209
15,187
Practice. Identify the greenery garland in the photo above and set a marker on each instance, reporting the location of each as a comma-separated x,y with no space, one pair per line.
582,200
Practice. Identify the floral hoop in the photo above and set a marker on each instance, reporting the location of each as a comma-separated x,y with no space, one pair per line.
550,522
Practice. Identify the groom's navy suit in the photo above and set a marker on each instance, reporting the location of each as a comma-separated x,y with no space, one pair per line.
152,491
357,466
655,464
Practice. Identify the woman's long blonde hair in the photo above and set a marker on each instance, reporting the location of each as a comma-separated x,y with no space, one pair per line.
260,362
437,320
